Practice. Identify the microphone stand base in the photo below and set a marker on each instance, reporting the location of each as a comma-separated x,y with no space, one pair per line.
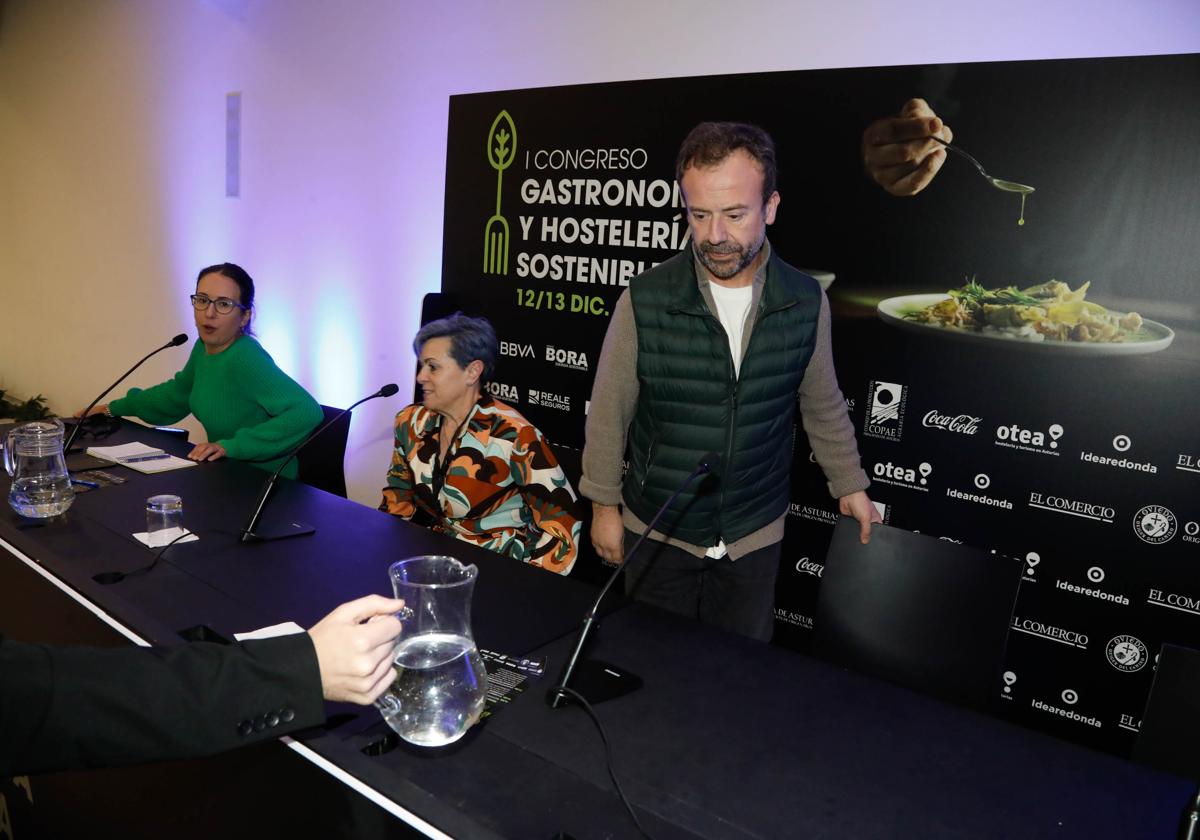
597,681
278,532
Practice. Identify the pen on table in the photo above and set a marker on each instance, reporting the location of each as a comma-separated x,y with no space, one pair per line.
93,484
133,459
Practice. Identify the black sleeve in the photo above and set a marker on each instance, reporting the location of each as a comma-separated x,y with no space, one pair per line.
76,707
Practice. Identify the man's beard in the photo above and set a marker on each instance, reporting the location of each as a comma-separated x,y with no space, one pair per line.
727,270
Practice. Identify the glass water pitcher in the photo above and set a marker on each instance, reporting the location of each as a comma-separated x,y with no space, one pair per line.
441,682
33,456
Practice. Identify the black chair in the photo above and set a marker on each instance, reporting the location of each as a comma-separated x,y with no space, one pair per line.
588,565
1169,738
322,461
928,614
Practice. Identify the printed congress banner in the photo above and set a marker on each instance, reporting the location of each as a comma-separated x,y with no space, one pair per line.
1023,370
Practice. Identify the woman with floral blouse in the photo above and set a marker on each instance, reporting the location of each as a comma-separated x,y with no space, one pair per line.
471,466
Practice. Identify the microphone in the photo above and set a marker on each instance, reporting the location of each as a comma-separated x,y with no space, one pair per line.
617,682
174,342
251,533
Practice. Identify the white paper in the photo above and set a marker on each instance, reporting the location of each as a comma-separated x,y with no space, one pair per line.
287,628
160,538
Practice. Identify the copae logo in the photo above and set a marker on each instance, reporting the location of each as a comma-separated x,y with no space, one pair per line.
1043,443
885,413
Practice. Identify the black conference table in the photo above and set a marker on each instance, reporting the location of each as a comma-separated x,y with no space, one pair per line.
729,738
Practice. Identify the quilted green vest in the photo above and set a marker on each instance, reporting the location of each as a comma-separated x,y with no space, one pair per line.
690,403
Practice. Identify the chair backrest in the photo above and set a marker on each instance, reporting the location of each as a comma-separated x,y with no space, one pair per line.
588,565
322,462
1169,738
926,613
433,306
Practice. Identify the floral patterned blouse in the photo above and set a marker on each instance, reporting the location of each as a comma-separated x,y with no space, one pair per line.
500,486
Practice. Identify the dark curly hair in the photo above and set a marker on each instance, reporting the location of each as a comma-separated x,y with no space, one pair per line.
709,143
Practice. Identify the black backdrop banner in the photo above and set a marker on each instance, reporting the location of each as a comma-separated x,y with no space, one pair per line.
1080,458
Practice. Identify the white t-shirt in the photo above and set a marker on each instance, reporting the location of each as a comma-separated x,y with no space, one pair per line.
733,305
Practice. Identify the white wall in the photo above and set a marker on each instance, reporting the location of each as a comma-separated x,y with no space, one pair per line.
112,152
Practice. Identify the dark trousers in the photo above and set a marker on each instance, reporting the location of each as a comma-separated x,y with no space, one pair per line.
735,595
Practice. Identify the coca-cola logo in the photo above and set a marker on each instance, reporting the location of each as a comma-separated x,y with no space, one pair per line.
808,567
964,424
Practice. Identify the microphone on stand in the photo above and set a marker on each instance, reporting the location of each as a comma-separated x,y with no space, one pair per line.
252,532
174,342
1189,820
607,681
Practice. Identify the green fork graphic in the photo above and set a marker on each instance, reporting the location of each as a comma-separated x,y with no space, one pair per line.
501,149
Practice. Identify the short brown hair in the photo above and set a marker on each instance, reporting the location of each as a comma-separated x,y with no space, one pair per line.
709,143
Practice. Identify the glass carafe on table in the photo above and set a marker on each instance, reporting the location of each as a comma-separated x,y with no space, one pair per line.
33,456
439,690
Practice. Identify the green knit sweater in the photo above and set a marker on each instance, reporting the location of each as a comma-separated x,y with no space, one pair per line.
244,401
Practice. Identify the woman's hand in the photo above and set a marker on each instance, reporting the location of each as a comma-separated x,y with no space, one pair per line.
96,409
207,452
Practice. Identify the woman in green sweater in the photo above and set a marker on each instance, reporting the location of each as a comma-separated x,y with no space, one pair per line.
251,410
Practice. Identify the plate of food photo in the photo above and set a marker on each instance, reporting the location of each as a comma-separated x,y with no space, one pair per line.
1049,316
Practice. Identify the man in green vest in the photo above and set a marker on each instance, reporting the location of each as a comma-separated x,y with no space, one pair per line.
712,351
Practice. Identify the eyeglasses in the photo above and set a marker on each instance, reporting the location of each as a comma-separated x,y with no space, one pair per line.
224,305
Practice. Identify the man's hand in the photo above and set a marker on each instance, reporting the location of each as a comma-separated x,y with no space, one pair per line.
207,452
608,533
898,152
96,409
860,507
354,648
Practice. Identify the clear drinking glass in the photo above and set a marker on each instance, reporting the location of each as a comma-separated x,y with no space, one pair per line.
164,518
441,683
